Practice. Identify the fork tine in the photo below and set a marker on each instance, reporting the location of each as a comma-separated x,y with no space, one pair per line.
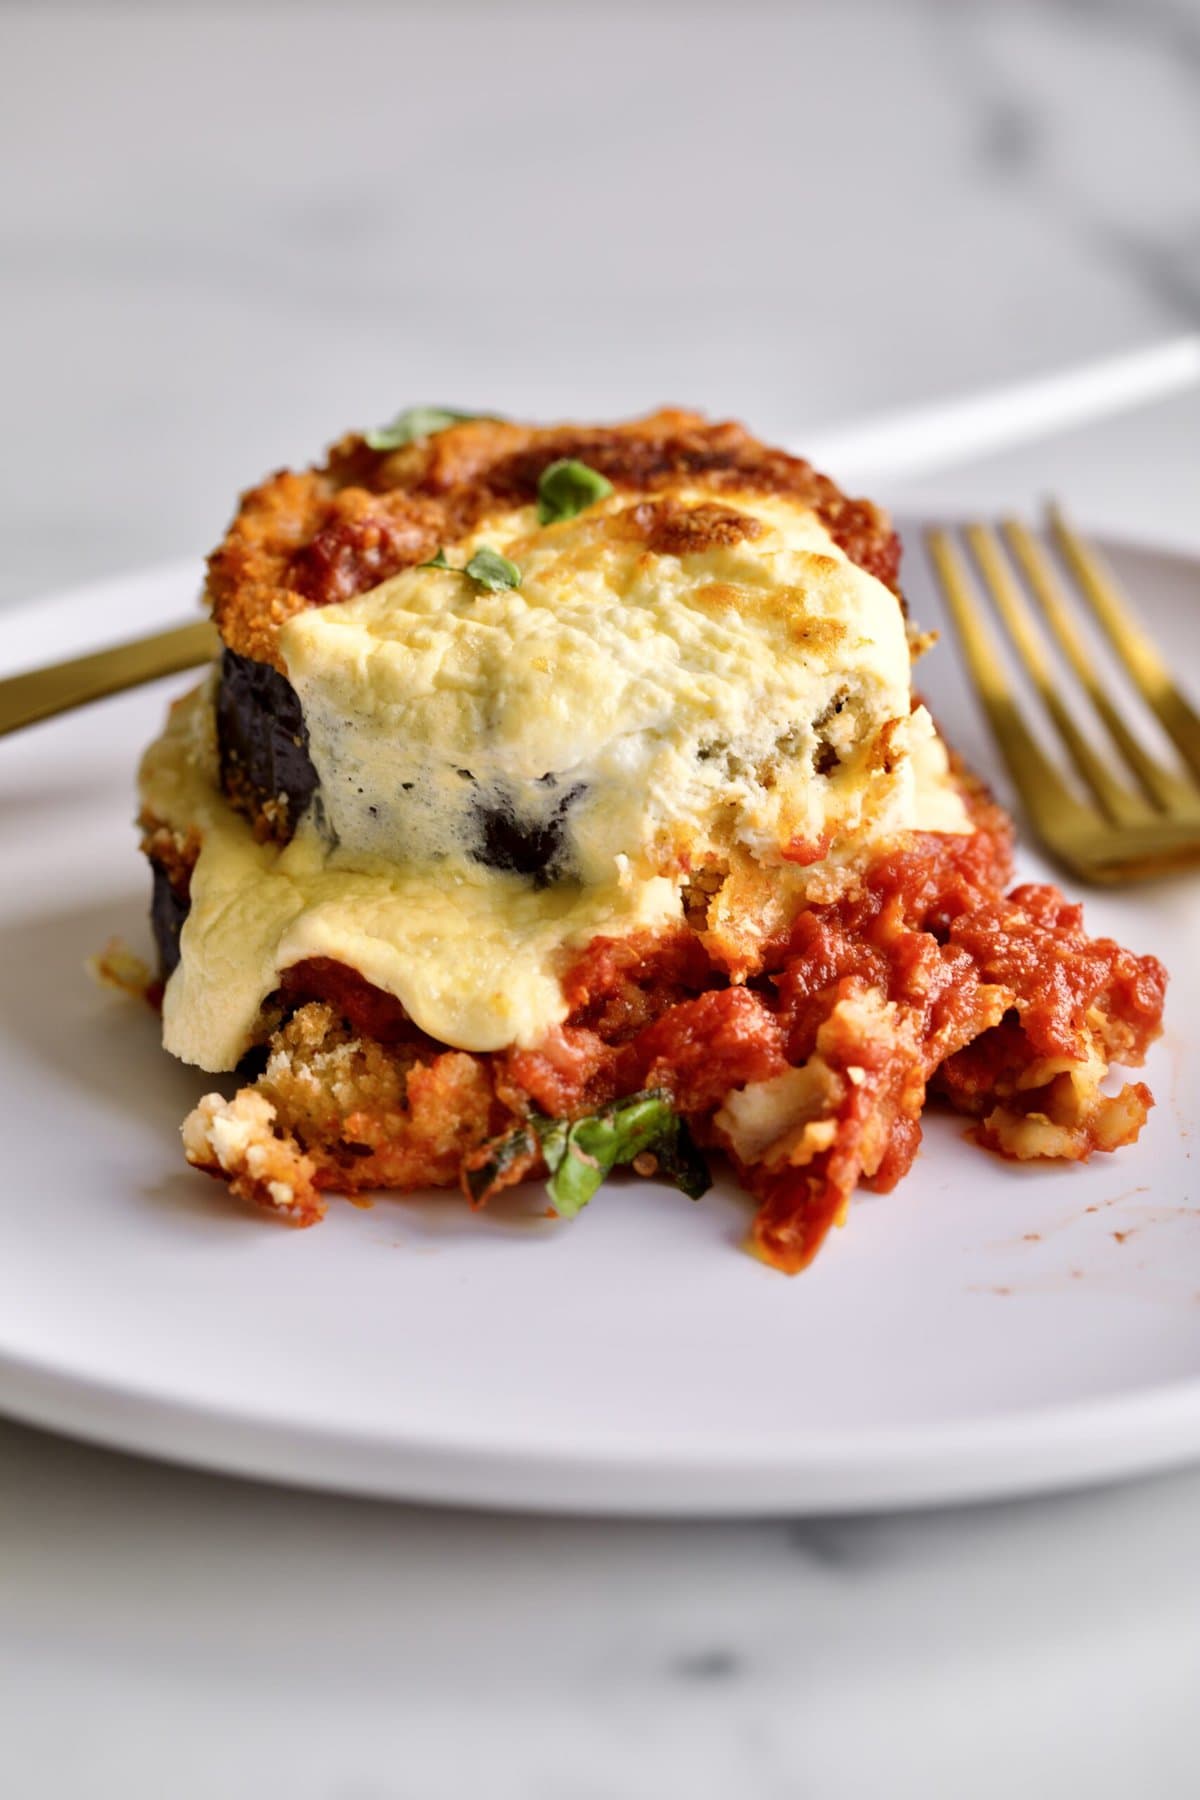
1035,566
1042,789
1119,807
1135,648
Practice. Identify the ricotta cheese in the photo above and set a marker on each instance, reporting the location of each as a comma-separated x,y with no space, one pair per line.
473,955
619,703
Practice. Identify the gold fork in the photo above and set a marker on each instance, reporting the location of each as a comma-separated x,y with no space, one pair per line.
1140,821
40,693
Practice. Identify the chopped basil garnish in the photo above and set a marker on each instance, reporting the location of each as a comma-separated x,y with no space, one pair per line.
567,488
580,1155
493,571
502,1156
487,567
417,422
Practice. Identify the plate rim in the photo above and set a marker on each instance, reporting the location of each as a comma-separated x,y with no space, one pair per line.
1005,1456
1037,1450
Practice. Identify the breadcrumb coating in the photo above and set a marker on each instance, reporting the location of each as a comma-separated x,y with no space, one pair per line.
333,1109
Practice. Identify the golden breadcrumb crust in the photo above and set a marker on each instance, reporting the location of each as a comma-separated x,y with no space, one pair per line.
324,535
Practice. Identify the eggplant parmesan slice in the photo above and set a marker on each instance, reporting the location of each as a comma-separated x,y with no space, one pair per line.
517,836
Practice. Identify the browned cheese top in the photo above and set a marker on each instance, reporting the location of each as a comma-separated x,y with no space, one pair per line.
309,539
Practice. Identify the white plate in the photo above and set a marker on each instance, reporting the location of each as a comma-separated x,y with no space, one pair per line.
986,1329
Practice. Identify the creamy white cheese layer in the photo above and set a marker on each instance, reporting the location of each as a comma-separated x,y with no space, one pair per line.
651,707
472,955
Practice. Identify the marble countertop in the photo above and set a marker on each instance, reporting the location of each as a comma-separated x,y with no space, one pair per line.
172,1634
232,232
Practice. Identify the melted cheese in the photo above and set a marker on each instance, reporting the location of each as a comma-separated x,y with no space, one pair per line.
644,706
473,956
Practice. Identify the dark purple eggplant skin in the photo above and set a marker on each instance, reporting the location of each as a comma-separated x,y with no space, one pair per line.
538,851
168,910
261,737
263,745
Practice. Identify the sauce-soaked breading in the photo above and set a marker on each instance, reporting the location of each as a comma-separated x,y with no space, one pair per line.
333,532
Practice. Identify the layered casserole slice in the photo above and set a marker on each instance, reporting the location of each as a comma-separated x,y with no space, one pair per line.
560,802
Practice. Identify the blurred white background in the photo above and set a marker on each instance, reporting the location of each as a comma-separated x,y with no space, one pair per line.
229,232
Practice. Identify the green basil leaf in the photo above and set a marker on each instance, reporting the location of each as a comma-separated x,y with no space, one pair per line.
417,422
573,1183
493,571
502,1155
567,488
487,567
682,1162
552,1136
580,1155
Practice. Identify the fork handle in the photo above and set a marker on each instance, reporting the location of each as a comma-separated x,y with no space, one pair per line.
40,693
